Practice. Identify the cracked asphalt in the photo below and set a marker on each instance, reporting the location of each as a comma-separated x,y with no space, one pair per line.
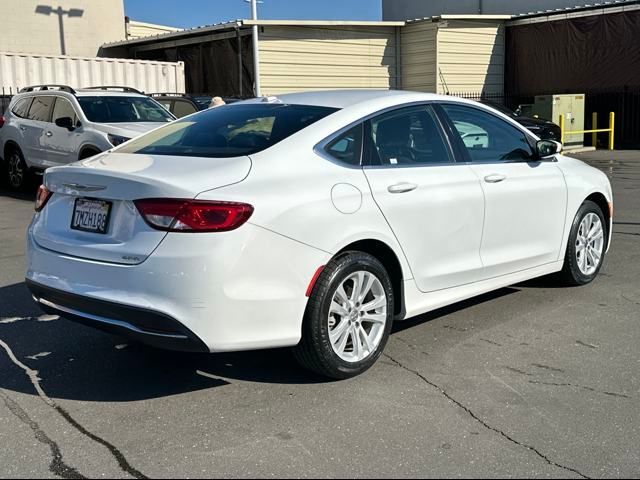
528,381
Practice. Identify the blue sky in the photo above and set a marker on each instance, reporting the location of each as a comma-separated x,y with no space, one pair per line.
191,13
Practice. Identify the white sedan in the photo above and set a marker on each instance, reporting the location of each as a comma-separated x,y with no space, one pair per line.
311,221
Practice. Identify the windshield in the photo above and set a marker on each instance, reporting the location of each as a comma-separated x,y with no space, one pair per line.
121,109
229,131
203,101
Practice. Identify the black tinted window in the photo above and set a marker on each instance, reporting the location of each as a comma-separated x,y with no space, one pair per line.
121,109
347,148
487,137
40,108
228,131
63,109
21,109
182,108
410,136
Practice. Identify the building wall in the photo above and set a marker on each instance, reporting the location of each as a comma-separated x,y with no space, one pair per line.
419,57
140,29
454,56
411,9
25,31
327,57
471,57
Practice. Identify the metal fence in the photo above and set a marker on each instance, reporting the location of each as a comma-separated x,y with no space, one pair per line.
624,103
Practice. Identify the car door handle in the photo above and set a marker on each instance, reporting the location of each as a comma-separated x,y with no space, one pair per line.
49,134
403,187
23,128
495,178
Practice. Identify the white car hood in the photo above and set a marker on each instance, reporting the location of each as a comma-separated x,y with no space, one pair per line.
129,130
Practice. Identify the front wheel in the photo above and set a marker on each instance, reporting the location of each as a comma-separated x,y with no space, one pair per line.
348,318
587,245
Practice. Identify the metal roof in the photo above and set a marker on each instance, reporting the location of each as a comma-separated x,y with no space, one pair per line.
437,18
578,8
248,23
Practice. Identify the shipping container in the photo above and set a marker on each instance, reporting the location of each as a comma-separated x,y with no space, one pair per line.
19,70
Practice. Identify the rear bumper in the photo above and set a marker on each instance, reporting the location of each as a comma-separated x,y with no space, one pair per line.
147,326
239,290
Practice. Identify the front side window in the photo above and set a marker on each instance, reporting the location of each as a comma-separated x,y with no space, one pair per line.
40,108
409,137
347,148
229,131
123,109
64,109
486,137
21,109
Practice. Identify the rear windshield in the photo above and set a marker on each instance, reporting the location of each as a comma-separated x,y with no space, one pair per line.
229,131
121,109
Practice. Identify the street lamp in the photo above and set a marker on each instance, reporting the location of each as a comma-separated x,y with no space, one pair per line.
71,13
256,50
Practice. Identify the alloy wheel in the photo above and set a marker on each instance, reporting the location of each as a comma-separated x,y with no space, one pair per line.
357,316
15,170
590,244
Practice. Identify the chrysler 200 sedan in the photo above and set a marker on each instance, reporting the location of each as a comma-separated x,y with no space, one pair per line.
311,221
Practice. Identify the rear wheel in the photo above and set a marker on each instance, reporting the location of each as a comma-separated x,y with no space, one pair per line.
586,247
17,172
348,318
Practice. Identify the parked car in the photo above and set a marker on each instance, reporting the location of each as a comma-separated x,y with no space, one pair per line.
544,129
47,126
311,221
183,104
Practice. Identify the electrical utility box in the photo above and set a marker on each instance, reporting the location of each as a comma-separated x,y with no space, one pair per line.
571,107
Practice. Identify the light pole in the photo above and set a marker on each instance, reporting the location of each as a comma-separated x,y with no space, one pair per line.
256,49
73,12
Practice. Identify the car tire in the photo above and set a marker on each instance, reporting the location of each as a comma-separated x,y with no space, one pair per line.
341,337
17,172
586,247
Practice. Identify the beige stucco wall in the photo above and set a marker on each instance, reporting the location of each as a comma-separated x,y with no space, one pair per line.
296,58
25,31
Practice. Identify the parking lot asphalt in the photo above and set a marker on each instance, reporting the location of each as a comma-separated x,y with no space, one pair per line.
528,381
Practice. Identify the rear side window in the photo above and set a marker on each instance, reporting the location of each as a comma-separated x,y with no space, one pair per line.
229,131
40,109
347,148
182,108
21,108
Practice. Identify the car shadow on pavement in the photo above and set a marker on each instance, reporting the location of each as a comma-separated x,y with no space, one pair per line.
78,363
27,194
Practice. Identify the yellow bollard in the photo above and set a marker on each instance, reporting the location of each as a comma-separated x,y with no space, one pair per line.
594,126
612,125
561,129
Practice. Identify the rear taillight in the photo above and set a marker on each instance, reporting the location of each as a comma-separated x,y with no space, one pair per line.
173,215
43,196
2,121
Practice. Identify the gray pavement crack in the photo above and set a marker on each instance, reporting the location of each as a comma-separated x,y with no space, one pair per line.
35,381
482,422
582,387
57,465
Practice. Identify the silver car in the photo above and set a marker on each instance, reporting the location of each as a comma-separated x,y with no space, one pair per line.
47,126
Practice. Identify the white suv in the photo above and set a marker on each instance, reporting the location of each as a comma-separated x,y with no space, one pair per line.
52,125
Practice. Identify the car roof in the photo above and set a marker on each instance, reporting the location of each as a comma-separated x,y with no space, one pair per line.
346,98
81,93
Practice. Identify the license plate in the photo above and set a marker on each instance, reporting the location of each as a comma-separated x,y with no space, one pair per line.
91,216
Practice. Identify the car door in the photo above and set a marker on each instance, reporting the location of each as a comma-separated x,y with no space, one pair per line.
434,206
525,198
39,118
62,144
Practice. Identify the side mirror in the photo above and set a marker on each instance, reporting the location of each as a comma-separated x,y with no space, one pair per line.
548,148
66,122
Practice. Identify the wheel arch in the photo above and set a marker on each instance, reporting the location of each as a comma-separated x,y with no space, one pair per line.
88,148
9,145
601,200
389,259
